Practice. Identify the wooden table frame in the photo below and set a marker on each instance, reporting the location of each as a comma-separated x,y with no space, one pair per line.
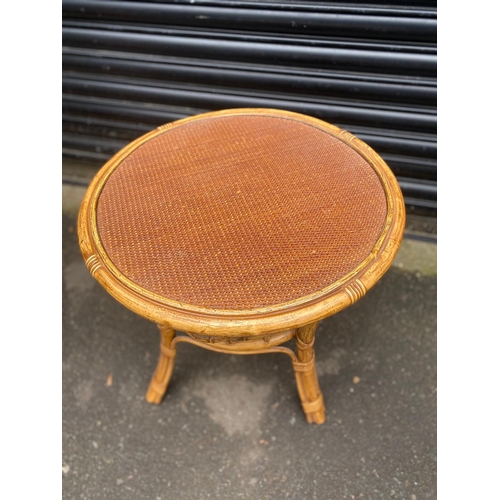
246,331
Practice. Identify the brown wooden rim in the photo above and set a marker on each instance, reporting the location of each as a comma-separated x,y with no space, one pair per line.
292,314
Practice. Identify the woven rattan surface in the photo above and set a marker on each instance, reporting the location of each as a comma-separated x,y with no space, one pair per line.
240,212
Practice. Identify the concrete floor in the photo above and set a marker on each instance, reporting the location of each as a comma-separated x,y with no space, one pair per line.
232,426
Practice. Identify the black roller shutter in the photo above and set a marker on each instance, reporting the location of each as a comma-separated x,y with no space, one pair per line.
367,67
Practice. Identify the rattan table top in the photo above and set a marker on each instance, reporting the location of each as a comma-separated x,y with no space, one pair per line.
243,212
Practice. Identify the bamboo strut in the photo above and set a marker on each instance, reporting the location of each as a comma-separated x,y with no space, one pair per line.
303,364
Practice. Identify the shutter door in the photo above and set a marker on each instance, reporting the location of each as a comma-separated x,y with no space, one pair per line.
369,68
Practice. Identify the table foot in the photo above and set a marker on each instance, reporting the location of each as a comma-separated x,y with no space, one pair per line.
163,373
305,374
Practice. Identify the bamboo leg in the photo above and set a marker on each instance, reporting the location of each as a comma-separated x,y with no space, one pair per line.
305,374
163,372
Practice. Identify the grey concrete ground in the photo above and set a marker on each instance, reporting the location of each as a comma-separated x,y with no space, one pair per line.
231,426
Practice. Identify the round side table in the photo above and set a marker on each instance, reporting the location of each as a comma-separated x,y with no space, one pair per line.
242,229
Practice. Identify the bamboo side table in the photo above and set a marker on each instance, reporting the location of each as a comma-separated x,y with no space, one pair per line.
243,229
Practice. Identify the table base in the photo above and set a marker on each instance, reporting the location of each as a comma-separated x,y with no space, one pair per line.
303,361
